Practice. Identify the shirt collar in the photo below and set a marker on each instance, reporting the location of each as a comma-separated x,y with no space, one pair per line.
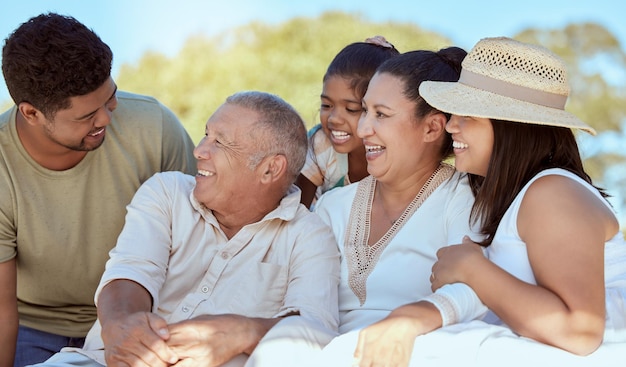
286,210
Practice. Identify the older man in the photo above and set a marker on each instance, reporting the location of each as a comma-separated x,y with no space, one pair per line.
205,266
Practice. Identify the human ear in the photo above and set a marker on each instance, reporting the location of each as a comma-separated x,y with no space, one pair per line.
30,113
274,168
435,126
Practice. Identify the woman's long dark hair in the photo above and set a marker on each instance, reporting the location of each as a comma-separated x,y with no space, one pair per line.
520,151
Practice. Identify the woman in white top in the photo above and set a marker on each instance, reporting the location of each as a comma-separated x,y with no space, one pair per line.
389,225
556,266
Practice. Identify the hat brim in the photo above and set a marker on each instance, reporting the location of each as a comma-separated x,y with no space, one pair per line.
459,99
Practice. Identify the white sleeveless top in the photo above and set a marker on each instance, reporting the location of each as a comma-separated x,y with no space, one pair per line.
509,252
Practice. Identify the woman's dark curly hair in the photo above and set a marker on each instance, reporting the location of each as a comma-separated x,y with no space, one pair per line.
52,57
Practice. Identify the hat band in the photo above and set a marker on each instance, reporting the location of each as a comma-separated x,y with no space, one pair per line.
507,89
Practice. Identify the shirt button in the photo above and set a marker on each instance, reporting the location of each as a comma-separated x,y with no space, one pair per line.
225,255
205,289
185,309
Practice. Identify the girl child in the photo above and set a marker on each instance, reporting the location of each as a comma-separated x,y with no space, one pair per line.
336,155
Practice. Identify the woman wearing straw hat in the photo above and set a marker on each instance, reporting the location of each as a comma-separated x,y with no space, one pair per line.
556,271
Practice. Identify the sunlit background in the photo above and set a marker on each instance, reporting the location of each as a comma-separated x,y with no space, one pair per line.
190,54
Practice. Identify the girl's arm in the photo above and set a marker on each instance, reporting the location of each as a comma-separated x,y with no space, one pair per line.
308,190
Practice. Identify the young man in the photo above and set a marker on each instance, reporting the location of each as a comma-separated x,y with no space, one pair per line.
73,151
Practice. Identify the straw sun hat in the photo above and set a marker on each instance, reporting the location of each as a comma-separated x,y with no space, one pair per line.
508,80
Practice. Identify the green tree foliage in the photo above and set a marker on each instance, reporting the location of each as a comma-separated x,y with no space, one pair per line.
289,60
593,56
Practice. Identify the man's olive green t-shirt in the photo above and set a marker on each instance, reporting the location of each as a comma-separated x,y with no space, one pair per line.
60,225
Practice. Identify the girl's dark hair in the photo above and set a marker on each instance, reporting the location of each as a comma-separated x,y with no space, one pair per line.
520,151
414,67
51,58
358,62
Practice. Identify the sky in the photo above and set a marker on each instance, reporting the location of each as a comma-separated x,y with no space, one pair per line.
131,27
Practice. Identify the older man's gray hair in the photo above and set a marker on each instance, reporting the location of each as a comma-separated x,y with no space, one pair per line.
279,130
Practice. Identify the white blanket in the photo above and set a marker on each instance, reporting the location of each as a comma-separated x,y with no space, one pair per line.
480,344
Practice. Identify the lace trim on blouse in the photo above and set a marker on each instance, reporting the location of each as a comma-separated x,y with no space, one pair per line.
361,257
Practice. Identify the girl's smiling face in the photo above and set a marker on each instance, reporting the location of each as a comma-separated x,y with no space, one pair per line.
340,110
